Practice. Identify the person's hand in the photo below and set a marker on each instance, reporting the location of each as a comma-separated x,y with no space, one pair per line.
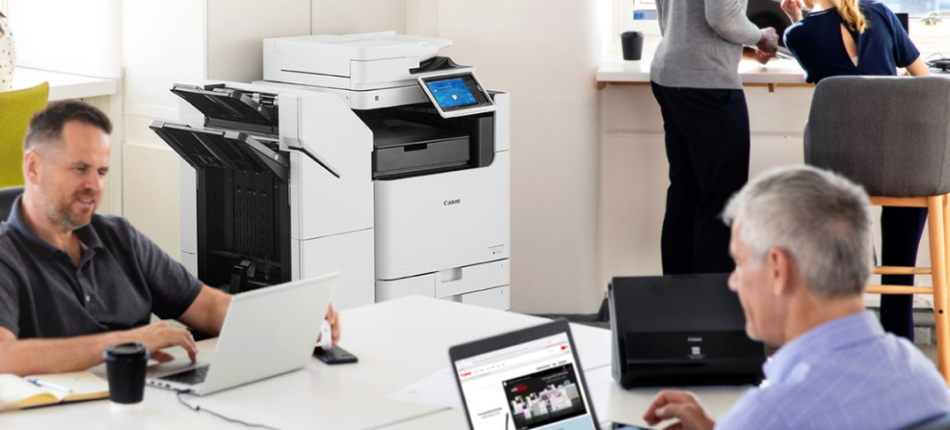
768,44
754,54
793,8
159,335
680,405
333,317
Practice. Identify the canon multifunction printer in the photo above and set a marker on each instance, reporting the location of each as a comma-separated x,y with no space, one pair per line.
365,153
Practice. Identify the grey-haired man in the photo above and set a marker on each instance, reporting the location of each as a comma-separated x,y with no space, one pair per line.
802,243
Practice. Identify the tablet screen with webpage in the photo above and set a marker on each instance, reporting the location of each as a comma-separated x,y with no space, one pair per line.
532,385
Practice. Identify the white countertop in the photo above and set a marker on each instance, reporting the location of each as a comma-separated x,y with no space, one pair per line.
63,85
779,71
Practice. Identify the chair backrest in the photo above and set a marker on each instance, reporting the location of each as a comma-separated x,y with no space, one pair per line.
940,423
17,108
8,195
889,134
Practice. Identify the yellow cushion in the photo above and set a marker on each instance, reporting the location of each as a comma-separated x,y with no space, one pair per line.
17,107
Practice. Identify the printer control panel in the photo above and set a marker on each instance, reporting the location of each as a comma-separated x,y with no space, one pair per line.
454,94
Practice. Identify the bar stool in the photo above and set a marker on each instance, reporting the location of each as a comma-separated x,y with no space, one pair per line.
892,135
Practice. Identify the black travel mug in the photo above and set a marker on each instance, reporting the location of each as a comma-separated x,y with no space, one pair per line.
125,365
632,44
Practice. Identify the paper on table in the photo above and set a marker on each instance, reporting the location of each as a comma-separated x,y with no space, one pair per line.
437,389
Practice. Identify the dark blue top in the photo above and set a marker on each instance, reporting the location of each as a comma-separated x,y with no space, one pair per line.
122,277
883,47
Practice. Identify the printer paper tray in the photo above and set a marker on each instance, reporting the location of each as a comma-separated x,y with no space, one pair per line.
202,148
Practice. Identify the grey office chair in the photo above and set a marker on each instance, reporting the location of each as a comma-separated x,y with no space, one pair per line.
892,135
7,196
940,423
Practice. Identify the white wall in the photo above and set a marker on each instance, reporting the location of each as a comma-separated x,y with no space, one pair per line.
79,37
235,51
163,43
358,16
545,53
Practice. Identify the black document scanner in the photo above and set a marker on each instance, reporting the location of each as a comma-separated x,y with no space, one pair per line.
680,331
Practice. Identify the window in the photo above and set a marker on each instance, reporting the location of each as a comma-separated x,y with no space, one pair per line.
918,8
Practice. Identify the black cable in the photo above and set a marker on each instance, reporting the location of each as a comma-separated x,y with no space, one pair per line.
198,408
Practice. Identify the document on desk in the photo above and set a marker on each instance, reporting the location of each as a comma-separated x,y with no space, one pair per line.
437,389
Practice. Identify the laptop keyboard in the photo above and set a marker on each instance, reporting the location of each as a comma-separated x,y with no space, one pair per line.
190,377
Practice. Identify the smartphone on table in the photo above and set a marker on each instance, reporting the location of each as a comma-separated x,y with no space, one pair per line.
335,355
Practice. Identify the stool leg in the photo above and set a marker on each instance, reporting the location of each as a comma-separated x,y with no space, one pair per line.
937,220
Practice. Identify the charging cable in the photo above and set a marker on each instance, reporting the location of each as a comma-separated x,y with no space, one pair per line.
198,408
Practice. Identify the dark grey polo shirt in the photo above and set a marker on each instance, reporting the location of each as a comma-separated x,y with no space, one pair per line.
122,277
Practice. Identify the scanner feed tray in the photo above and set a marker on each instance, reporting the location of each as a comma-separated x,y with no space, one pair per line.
202,148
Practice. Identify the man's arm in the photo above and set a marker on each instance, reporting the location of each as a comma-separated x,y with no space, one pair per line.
39,356
728,20
206,314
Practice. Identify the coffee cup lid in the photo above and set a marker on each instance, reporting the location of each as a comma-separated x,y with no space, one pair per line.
126,351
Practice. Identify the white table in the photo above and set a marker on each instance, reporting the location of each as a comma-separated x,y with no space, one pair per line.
778,72
63,85
397,342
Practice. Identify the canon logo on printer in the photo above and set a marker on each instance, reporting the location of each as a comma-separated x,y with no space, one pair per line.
694,339
452,202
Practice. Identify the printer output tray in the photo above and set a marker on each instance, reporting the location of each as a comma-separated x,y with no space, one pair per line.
404,148
202,148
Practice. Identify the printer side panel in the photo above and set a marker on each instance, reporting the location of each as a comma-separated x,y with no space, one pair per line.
329,205
332,218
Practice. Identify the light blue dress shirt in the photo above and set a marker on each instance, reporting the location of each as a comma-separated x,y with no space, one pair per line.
844,374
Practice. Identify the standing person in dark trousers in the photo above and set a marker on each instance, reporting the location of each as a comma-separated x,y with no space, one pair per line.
874,43
695,80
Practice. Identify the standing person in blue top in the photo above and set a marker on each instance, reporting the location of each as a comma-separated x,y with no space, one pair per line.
695,79
861,37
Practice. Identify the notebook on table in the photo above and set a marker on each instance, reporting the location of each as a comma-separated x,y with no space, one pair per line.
20,393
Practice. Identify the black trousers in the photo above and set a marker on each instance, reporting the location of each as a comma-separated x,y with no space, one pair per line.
901,229
707,144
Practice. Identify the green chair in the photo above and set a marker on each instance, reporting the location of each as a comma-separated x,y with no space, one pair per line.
16,108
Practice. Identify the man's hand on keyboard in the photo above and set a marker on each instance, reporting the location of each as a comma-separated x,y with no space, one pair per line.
159,335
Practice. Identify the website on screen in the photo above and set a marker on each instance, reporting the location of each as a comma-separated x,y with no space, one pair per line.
534,385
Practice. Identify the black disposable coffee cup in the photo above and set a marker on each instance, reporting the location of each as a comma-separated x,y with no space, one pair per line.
125,365
632,44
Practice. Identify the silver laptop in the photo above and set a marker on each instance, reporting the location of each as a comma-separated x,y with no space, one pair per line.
266,332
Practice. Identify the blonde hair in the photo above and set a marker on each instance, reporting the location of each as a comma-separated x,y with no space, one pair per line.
851,13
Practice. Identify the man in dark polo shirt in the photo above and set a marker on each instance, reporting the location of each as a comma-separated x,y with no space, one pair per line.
73,282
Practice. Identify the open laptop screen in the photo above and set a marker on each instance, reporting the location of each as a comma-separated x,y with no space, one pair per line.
530,385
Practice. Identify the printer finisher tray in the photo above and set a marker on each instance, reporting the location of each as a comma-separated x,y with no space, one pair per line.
404,148
202,148
229,108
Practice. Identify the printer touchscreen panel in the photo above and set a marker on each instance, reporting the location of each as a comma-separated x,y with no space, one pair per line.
451,92
456,94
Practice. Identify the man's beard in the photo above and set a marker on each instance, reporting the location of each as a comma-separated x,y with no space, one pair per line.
62,214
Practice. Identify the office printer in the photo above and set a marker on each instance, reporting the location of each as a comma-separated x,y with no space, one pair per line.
275,186
680,330
439,163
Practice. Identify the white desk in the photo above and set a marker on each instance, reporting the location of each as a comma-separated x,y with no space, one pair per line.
397,342
779,72
62,85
